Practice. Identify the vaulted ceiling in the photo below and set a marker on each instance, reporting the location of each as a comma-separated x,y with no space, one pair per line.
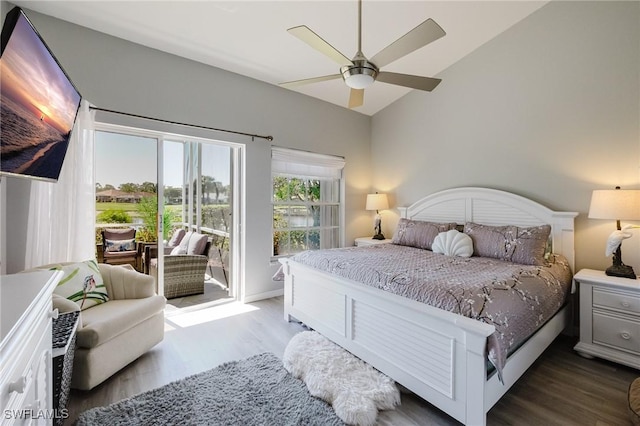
250,37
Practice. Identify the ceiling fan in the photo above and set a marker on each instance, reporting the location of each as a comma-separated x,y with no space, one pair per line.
359,73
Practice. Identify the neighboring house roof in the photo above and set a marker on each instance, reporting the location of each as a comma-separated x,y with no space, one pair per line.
115,194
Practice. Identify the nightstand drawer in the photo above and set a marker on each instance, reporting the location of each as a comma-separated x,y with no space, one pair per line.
619,332
616,300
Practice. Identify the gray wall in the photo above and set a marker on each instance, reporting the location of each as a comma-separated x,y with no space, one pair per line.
116,74
549,109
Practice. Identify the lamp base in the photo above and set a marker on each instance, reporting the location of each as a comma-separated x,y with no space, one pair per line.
624,271
378,236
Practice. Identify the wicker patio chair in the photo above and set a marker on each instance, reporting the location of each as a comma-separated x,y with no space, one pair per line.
183,273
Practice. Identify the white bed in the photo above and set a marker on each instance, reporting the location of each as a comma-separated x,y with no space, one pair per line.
438,355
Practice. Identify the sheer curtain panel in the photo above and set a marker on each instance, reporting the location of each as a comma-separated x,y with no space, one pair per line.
61,224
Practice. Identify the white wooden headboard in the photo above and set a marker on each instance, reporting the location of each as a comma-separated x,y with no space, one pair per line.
494,207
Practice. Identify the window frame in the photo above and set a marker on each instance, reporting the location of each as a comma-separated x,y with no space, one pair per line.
304,165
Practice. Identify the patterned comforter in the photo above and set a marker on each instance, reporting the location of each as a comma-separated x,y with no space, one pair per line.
516,299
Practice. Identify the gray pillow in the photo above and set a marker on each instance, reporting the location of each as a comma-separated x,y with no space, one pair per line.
511,243
419,234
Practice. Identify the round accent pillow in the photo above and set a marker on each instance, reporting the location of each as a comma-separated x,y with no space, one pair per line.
453,243
634,401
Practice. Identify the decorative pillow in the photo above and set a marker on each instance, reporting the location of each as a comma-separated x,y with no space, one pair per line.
178,250
184,242
82,283
511,243
453,243
120,245
417,233
197,243
177,236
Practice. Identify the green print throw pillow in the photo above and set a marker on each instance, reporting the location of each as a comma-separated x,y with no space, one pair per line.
82,283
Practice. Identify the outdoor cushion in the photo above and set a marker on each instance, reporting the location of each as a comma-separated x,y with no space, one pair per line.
177,236
197,243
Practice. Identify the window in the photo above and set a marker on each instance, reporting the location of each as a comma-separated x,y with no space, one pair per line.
307,201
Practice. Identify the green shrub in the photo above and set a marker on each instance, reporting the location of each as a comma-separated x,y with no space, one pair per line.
114,216
148,210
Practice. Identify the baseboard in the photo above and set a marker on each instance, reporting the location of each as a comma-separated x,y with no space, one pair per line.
262,296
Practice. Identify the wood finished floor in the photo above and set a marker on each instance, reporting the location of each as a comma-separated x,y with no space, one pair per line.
561,388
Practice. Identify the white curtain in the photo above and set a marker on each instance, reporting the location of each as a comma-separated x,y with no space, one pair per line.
61,225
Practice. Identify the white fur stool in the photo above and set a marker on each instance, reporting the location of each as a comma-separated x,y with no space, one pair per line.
355,389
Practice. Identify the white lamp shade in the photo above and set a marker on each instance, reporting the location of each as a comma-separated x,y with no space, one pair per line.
377,202
359,81
618,204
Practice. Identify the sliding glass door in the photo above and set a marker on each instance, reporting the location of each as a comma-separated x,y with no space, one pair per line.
159,183
199,182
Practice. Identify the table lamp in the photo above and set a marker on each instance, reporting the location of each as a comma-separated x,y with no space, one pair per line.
616,204
377,202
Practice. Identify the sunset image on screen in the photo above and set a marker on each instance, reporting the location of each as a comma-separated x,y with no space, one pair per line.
39,104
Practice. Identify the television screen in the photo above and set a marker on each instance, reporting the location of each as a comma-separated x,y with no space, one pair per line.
39,103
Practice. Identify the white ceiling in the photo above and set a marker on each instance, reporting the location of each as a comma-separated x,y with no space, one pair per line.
250,37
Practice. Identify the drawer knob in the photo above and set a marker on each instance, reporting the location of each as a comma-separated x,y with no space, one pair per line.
54,314
625,304
625,335
19,385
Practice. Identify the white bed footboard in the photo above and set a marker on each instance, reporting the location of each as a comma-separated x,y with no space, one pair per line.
436,354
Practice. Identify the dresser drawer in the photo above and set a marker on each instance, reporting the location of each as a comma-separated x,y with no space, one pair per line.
620,301
618,332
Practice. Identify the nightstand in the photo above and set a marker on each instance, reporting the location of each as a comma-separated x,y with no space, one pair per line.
368,241
609,317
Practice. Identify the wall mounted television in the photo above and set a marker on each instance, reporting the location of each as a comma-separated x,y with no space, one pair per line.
38,100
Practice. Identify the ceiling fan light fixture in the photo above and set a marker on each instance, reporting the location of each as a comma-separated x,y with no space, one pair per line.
359,81
360,75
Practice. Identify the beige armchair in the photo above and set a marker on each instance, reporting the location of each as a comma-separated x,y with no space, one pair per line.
113,334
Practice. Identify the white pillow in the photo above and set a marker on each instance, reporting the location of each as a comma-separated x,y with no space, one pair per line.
178,250
453,243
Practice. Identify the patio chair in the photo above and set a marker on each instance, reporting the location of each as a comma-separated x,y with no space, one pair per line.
119,247
183,273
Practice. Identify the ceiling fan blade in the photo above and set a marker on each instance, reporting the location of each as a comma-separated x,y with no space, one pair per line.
292,84
406,80
314,40
418,37
356,98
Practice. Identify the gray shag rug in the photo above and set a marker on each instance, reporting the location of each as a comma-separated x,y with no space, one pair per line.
254,391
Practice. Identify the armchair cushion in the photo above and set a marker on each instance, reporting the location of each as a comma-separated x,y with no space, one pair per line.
103,323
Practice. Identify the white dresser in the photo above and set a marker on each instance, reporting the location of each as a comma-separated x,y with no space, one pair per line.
609,317
25,348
